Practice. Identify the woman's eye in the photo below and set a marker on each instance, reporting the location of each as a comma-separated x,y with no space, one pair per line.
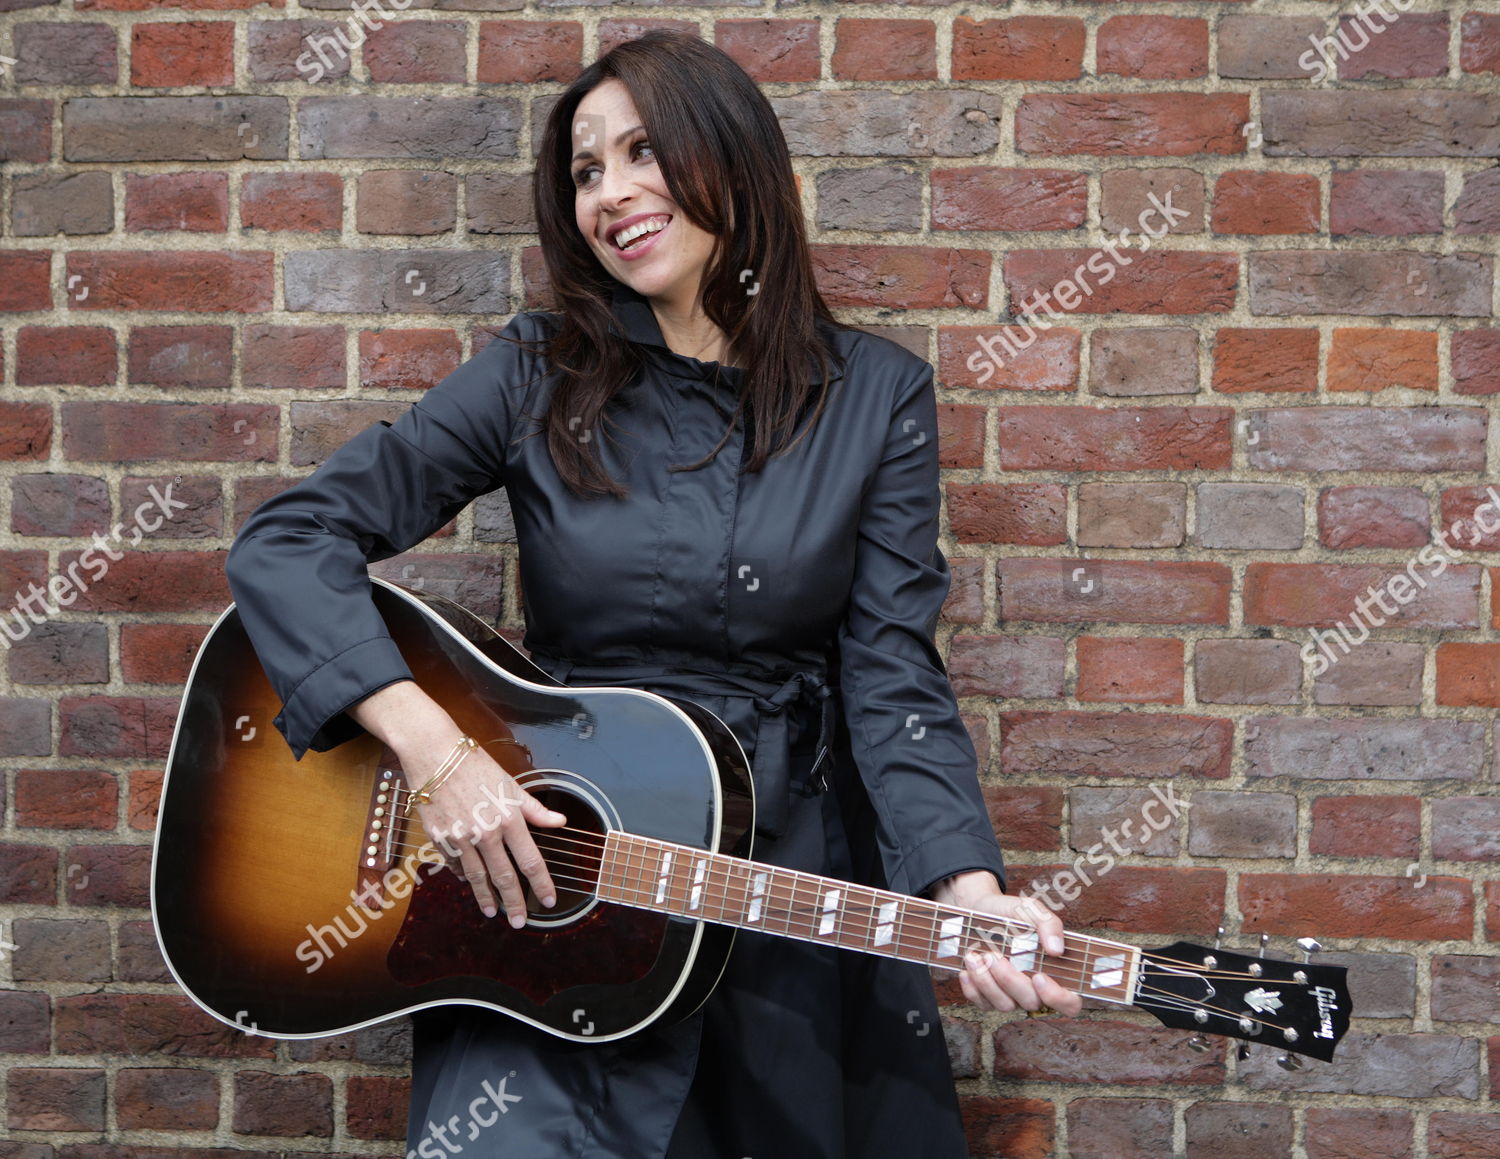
581,177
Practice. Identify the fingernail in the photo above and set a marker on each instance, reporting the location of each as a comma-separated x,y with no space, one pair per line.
489,910
518,920
1056,946
973,958
549,900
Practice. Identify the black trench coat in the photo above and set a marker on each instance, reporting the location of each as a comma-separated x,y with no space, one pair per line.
799,605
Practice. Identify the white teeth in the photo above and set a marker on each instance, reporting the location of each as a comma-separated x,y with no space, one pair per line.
651,225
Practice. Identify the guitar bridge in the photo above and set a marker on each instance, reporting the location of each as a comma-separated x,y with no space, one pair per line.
385,827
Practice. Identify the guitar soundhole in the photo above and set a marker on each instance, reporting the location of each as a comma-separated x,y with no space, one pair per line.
572,850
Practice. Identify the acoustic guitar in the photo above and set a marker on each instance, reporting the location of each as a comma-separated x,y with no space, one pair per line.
296,899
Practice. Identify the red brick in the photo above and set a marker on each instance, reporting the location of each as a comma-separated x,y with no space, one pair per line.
66,799
1153,47
148,1024
529,51
1015,1128
1180,282
28,874
25,131
1026,817
25,430
304,202
1018,48
1492,916
181,281
1010,200
416,52
415,359
1358,1133
1016,666
25,1022
117,726
1132,514
874,49
1076,438
406,201
1385,203
1416,45
1031,513
1113,591
181,357
1238,1130
154,581
1374,359
170,55
65,355
1050,362
1363,516
961,435
1476,361
1463,1135
1263,203
108,875
1366,827
902,276
1118,1128
1131,124
1468,674
145,798
283,1104
1479,50
1130,670
167,1099
55,1099
25,280
130,431
320,428
168,201
159,653
376,1106
615,31
1160,746
771,50
1061,1050
305,357
1356,906
1460,522
1280,359
149,5
1304,595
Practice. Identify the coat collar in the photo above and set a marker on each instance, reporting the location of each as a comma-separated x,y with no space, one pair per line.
636,321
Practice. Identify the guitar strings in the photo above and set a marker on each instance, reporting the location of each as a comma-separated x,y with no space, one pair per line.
1059,969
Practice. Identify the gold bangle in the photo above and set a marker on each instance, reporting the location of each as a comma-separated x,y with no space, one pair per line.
461,748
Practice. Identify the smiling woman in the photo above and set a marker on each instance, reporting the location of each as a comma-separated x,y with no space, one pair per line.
737,503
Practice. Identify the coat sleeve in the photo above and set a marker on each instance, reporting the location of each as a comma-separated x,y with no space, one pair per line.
297,567
914,755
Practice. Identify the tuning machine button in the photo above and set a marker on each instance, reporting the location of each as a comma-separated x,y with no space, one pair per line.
1200,1043
1309,948
1291,1062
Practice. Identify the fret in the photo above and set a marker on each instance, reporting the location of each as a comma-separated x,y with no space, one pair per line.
886,917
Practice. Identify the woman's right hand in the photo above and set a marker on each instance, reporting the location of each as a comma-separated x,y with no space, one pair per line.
483,817
479,814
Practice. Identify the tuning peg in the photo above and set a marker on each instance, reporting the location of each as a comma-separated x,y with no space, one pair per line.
1200,1043
1243,1052
1290,1062
1219,937
1254,969
1309,948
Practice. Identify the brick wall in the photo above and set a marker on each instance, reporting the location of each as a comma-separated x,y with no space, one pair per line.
217,266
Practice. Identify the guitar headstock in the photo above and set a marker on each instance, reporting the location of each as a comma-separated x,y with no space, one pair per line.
1300,1007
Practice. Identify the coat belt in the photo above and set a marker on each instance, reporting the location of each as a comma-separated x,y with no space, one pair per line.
771,697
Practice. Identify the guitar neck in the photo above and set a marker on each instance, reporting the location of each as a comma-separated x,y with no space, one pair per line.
678,879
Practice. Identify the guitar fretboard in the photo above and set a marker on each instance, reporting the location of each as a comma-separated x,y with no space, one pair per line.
679,879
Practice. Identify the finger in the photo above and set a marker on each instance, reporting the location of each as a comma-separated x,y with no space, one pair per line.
504,875
1057,996
985,982
538,814
1048,925
472,870
1014,984
530,861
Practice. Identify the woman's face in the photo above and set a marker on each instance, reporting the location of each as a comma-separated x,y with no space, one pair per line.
616,181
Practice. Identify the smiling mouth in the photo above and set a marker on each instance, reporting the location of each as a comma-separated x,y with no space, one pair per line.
635,234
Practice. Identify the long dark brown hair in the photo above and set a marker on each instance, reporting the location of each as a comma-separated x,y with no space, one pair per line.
724,159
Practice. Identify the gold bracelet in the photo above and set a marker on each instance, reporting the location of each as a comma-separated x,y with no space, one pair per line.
461,748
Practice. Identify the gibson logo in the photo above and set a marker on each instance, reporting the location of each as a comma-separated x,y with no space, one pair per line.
1327,1004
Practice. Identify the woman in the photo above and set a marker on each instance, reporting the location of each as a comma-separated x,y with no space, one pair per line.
736,501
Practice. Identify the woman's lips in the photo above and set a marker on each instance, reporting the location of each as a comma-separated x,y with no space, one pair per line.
642,246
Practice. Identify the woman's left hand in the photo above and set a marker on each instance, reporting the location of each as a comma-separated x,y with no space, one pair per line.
990,980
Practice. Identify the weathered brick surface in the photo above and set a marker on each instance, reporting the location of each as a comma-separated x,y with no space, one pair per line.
228,242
